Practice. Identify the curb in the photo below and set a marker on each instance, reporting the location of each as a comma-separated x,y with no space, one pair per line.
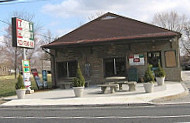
70,106
171,97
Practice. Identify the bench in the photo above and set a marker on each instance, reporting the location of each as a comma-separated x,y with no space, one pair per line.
111,86
65,85
132,85
69,84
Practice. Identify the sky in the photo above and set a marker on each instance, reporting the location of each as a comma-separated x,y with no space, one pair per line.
62,16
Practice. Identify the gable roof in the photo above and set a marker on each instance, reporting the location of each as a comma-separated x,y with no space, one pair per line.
111,27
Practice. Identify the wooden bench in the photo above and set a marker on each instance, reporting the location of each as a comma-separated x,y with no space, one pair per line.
105,86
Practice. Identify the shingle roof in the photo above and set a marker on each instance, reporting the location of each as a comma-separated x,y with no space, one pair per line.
111,27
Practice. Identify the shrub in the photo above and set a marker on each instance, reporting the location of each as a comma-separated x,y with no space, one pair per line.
79,80
160,71
148,76
20,83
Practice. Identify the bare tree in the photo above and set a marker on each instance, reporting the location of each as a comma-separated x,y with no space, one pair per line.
44,60
170,20
186,39
10,51
175,22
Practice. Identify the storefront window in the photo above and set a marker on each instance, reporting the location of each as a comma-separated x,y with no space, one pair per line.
67,69
114,66
154,58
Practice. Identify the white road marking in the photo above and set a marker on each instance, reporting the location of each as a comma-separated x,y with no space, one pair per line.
99,117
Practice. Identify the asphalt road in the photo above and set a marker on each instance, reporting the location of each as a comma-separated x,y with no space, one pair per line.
112,114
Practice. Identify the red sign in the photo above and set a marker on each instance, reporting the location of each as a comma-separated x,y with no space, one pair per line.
136,60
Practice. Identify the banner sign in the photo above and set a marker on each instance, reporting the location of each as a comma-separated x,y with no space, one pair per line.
22,33
26,72
136,59
37,78
44,76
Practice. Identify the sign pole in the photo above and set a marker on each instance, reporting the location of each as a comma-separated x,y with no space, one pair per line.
24,53
28,89
15,62
23,37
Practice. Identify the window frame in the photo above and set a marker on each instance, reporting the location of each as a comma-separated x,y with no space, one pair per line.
114,60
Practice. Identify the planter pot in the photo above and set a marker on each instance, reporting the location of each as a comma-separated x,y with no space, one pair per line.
148,87
21,93
160,80
78,91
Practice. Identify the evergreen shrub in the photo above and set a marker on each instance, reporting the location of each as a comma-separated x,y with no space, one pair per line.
148,76
20,83
79,80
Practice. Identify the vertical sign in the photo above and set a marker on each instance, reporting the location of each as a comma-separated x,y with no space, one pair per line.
44,76
23,33
26,72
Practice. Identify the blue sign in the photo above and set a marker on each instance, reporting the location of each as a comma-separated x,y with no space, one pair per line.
44,76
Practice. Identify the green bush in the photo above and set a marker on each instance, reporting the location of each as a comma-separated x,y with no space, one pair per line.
79,80
20,83
160,71
148,76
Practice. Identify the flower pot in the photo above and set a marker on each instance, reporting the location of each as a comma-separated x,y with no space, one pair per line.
21,93
160,80
78,91
149,87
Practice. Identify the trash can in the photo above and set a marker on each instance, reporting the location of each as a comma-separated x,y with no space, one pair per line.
132,74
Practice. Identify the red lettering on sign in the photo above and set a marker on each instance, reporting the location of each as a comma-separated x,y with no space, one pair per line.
19,28
136,60
20,42
32,44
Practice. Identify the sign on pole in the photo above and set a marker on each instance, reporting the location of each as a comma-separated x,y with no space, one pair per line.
23,33
26,72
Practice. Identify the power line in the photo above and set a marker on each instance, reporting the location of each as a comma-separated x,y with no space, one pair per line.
4,22
1,1
18,1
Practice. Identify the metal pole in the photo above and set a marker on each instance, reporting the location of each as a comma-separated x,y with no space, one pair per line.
24,57
15,62
24,53
114,63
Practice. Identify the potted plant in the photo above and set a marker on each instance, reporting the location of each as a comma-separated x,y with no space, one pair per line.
149,80
20,88
78,83
160,75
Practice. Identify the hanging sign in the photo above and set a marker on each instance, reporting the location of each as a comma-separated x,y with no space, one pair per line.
136,59
26,72
22,33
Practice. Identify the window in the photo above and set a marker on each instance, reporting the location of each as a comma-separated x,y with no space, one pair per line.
114,66
67,69
154,58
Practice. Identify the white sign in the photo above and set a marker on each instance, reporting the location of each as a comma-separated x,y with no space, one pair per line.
23,33
136,59
26,72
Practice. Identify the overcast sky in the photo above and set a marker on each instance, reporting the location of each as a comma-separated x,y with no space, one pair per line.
62,16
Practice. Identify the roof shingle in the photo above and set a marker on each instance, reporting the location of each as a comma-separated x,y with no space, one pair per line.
111,27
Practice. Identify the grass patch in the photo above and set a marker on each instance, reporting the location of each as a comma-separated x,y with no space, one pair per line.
7,84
